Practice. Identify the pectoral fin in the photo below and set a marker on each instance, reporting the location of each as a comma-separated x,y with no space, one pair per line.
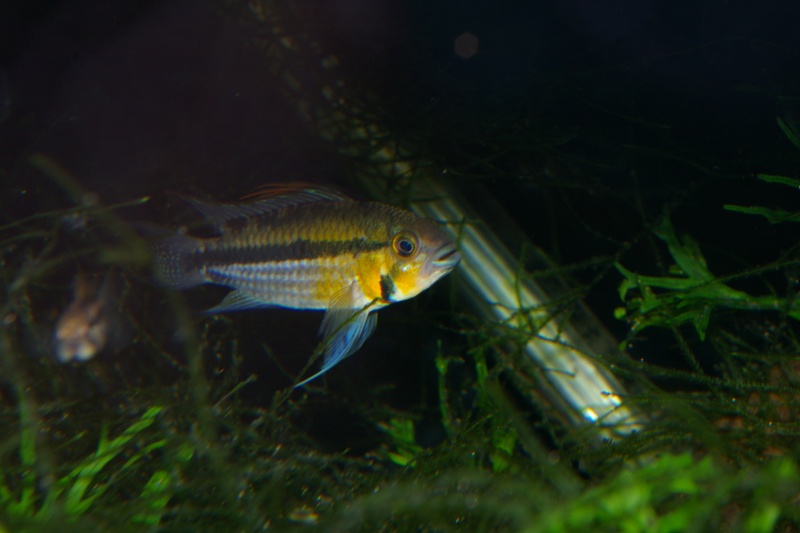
344,329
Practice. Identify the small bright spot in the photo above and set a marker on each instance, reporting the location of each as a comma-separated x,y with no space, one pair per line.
466,45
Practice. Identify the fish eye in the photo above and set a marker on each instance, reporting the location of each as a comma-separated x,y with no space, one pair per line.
405,244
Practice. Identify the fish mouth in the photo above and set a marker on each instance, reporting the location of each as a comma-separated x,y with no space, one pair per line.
446,257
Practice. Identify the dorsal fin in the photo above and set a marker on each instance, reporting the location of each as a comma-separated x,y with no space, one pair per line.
275,190
278,196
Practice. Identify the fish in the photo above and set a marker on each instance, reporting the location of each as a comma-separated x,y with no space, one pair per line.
91,321
310,248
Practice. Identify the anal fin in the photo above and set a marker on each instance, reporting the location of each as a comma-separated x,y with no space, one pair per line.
236,301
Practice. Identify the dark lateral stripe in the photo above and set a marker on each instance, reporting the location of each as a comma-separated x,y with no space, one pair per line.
295,251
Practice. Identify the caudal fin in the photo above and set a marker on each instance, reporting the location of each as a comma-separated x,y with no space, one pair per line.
174,262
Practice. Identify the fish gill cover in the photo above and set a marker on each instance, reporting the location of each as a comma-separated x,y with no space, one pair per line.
616,178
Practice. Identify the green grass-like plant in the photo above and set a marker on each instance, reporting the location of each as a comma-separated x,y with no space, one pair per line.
79,490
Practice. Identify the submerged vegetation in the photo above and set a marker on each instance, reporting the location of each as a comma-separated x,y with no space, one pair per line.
190,423
184,450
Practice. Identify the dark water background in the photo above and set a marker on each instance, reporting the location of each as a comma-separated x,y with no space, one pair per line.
583,118
136,95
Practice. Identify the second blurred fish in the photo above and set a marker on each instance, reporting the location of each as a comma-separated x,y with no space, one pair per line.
92,322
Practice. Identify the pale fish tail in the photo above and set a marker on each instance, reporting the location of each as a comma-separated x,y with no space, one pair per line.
175,262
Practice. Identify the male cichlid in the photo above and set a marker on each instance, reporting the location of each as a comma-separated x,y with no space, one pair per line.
311,249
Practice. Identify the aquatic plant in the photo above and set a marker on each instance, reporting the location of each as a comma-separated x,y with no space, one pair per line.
178,433
693,292
76,492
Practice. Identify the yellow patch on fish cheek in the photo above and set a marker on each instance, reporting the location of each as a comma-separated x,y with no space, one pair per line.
406,278
410,267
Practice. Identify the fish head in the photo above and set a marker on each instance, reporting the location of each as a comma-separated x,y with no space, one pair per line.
420,253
